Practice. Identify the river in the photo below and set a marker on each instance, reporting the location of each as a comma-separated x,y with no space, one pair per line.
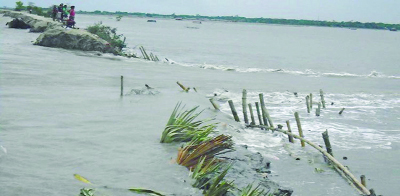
61,112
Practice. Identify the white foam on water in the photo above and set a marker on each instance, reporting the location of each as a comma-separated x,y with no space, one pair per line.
350,133
307,72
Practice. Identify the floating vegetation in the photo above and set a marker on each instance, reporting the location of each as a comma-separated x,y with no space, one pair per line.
182,127
89,192
86,192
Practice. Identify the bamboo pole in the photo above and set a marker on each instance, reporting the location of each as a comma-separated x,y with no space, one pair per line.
311,101
341,111
362,177
253,122
342,168
156,57
235,115
290,131
262,105
308,103
328,146
296,115
152,57
122,86
194,88
259,114
322,98
141,50
215,105
318,110
244,106
265,112
145,53
183,87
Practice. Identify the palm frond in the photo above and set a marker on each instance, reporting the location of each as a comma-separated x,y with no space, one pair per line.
203,172
182,127
219,186
190,155
250,191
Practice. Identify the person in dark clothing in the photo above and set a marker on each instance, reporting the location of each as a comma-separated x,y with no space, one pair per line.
60,12
54,13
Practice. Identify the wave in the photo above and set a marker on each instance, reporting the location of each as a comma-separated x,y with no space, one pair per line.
307,72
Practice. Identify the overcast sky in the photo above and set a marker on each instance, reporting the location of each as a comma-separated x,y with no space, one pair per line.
387,11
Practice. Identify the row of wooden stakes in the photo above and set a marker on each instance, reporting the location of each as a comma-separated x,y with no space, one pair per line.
265,122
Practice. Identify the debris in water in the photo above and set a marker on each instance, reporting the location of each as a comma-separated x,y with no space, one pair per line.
295,94
344,158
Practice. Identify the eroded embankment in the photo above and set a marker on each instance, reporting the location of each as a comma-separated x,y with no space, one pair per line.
54,35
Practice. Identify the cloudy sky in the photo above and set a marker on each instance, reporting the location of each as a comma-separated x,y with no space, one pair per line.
339,10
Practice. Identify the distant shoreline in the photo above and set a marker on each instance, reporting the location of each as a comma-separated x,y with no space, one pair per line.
293,22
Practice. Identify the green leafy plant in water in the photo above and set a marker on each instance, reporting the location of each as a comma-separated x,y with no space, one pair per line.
86,192
219,186
89,192
182,127
109,34
250,191
203,172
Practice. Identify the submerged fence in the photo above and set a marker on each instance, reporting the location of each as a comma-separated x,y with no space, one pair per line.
265,122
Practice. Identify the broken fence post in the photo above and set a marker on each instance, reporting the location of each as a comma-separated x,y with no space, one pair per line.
362,177
322,98
308,103
290,131
122,86
318,110
235,115
311,101
328,146
215,105
341,111
372,192
253,122
244,106
296,115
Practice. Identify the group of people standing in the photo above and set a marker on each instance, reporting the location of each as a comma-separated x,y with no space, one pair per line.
61,14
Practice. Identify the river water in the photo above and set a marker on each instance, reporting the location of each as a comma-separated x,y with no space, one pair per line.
61,112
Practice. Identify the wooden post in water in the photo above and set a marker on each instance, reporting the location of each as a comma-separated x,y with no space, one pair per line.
122,86
290,131
265,112
318,110
363,180
296,115
259,114
372,192
308,103
327,143
244,106
235,115
341,111
253,122
215,105
262,105
322,98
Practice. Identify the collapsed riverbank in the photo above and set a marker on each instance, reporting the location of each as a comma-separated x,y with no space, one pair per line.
54,35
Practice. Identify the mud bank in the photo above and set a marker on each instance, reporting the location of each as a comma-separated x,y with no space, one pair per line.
54,35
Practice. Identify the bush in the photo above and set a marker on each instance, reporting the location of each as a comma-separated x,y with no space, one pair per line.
109,34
